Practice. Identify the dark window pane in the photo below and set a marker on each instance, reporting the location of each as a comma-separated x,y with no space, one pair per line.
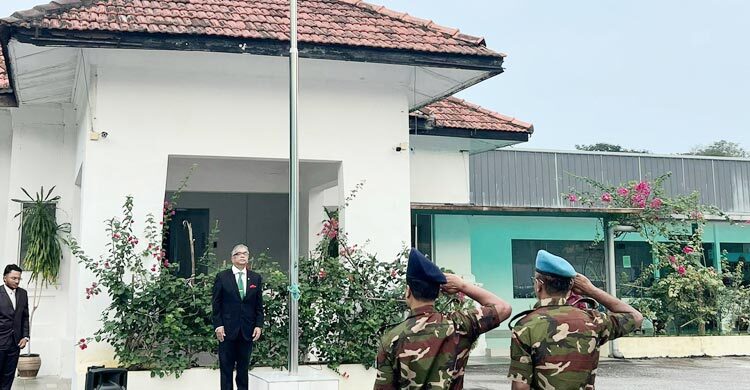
422,234
631,258
736,252
586,257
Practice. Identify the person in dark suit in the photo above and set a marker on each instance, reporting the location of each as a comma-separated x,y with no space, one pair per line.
14,324
237,308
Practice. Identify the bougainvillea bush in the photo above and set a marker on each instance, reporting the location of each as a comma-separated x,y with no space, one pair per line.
680,287
159,321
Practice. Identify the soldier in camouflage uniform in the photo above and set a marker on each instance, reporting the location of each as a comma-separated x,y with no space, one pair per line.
556,345
429,350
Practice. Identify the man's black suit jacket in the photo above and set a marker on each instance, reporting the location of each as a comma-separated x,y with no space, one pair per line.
14,324
238,317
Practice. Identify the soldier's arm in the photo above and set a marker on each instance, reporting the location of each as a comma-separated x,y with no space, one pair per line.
484,297
387,372
583,286
521,370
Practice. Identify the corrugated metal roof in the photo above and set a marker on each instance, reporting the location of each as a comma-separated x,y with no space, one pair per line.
537,178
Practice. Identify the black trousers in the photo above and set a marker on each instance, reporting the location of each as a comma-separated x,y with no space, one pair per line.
8,364
234,354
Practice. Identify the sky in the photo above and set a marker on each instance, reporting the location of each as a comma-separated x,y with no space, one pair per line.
661,75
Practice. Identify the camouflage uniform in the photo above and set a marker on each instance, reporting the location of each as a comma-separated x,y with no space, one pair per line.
556,347
429,350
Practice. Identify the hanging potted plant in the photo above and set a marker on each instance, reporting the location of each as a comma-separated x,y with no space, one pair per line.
42,237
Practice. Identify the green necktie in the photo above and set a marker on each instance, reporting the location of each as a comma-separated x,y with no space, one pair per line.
241,284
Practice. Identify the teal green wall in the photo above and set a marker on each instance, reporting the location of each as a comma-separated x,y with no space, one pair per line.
490,247
491,251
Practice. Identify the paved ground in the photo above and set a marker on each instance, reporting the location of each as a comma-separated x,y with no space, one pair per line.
730,373
41,383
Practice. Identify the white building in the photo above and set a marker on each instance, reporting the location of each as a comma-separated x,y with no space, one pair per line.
174,83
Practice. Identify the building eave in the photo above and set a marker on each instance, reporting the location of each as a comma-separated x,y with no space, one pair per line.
268,47
470,209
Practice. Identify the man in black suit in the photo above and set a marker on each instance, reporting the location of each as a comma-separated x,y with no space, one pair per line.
237,306
14,324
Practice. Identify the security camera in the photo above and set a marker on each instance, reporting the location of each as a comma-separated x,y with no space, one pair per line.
402,146
104,134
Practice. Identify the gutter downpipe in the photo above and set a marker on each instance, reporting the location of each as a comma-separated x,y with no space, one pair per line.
614,351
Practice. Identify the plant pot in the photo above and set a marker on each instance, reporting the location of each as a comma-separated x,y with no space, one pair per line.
28,365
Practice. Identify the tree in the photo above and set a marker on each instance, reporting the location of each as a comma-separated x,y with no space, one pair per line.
605,147
721,148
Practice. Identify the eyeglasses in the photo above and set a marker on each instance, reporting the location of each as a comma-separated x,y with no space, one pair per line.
535,279
241,253
15,278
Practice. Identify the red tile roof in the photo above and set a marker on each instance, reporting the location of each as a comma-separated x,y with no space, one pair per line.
341,22
456,113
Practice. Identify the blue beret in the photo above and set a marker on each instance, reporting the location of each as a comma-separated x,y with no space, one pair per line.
421,268
548,263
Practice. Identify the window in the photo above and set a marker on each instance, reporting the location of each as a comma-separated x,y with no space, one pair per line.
631,258
24,239
586,257
421,233
736,252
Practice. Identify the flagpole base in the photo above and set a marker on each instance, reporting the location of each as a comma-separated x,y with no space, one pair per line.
307,378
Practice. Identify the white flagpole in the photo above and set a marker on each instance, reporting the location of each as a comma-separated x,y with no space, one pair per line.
293,193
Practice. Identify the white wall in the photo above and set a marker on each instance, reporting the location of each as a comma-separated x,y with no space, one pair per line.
156,105
42,153
6,140
439,176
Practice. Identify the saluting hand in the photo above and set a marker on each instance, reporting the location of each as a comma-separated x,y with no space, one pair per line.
582,285
455,284
256,334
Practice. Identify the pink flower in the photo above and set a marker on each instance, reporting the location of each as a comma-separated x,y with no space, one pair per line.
639,201
672,259
687,250
622,191
83,346
681,270
696,215
82,341
606,197
394,273
322,273
656,203
572,198
643,188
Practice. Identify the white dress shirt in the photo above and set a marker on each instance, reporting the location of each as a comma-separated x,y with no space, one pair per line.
11,295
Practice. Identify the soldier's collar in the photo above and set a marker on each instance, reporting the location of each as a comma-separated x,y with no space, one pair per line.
551,302
423,309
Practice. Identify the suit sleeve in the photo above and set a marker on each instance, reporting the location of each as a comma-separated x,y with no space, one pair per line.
25,319
216,303
259,319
